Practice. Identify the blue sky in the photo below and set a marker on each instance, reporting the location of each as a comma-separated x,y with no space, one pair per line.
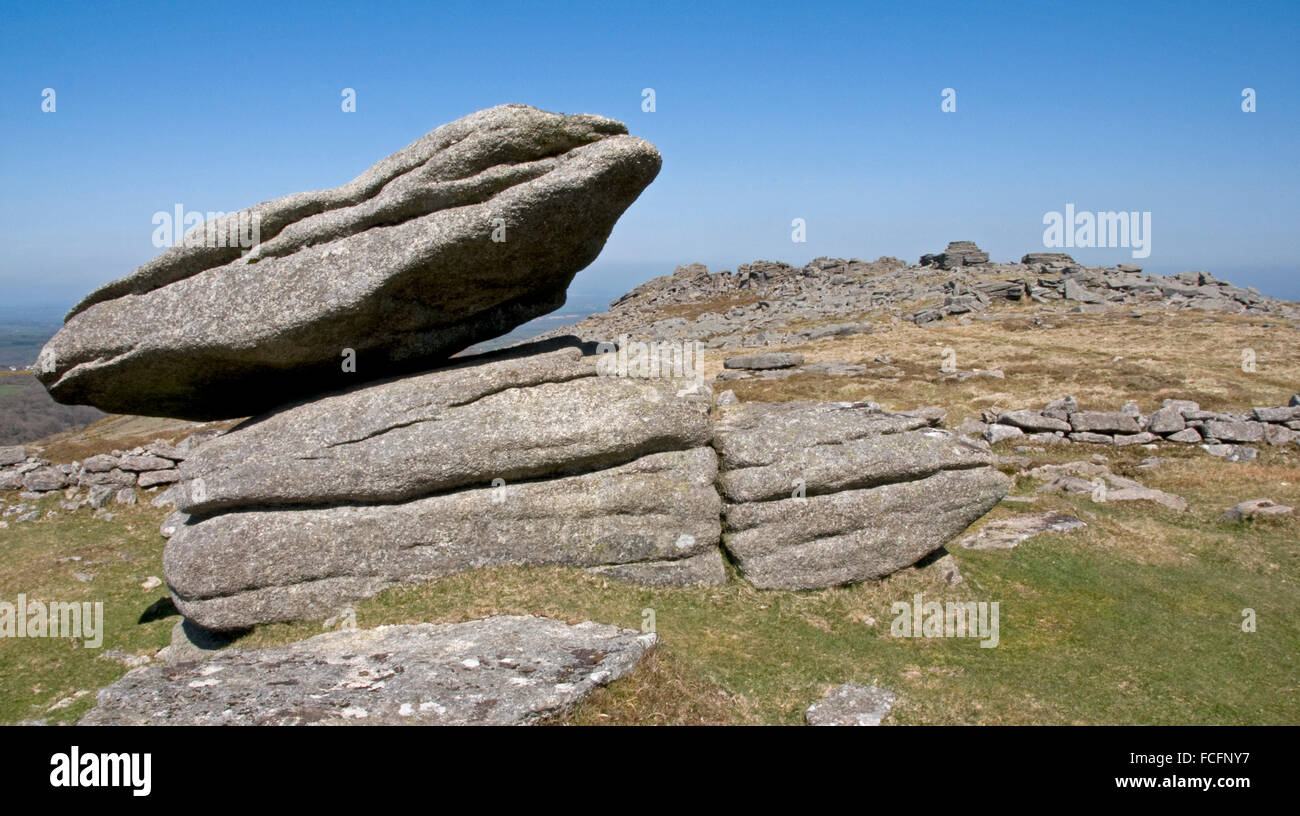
828,112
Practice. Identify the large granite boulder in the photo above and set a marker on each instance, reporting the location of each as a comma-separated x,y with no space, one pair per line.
531,412
235,570
466,233
503,670
823,494
528,457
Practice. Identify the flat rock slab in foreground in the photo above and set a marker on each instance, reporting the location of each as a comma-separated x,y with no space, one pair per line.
470,231
1007,533
497,671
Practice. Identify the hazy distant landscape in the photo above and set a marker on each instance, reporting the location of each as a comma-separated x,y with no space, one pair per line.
21,341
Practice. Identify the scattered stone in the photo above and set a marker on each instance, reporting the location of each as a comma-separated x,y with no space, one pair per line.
1092,438
1277,414
129,660
1034,421
933,414
834,368
101,463
1047,258
44,479
1188,435
1234,431
759,362
851,704
1167,420
1231,453
1076,291
1255,508
496,671
1000,433
1104,422
1006,533
1142,438
137,464
12,455
154,478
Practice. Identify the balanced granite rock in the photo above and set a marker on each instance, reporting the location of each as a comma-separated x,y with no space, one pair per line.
463,235
503,670
527,457
824,494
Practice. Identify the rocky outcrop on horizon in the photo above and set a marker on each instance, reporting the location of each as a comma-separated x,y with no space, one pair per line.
780,304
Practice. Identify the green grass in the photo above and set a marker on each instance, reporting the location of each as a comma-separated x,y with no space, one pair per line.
35,673
1134,619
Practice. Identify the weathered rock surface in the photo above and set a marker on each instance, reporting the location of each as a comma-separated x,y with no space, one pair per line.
851,704
237,569
1010,532
769,450
832,296
856,535
1105,422
401,265
1255,508
822,494
958,253
758,362
1175,421
530,413
496,671
1097,480
191,642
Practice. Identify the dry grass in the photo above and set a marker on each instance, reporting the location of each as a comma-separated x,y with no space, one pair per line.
720,304
1104,360
118,432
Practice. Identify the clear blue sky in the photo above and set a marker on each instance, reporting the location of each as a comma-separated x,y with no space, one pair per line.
828,112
